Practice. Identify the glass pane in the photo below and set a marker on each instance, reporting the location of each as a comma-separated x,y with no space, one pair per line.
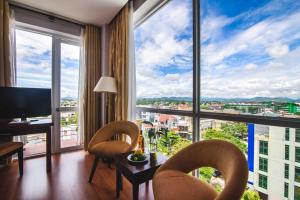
69,129
70,60
170,133
70,55
34,70
265,149
163,56
250,54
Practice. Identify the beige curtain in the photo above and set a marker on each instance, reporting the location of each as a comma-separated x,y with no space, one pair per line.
91,104
7,77
118,64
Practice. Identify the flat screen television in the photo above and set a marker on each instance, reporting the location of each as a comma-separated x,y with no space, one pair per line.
24,102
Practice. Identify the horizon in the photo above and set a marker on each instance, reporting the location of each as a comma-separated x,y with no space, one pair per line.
249,49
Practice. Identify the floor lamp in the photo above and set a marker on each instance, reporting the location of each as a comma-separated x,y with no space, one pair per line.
106,85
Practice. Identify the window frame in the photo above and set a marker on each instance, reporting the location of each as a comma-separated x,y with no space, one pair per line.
263,181
57,39
286,171
196,113
263,164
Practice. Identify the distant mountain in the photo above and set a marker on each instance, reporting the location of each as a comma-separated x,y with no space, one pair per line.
68,98
225,100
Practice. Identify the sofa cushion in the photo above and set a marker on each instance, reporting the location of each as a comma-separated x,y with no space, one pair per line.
109,148
176,185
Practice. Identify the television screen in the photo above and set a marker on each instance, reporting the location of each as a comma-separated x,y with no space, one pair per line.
24,102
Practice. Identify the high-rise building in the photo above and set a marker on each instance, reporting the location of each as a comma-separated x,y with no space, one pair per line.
274,161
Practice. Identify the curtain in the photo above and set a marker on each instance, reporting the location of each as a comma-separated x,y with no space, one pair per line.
91,104
82,80
118,64
7,61
7,58
131,67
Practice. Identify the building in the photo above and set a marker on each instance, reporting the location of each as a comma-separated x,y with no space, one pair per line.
274,161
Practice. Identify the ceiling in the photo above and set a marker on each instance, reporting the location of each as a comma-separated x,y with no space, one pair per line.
97,12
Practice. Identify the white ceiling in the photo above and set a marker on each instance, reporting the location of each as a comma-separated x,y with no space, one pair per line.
97,12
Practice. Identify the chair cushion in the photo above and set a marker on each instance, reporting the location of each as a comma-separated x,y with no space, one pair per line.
7,147
109,148
176,185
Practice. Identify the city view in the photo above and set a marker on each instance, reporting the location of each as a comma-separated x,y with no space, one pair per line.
34,70
249,64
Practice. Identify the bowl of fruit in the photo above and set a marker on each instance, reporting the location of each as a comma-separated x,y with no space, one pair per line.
137,157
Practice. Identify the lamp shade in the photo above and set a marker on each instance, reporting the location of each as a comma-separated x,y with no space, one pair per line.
106,84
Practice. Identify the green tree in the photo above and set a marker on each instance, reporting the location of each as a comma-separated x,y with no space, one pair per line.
250,195
223,135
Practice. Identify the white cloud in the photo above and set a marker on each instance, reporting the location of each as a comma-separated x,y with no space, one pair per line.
34,63
250,66
278,50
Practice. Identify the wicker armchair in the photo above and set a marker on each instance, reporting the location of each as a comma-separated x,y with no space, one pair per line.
171,180
102,146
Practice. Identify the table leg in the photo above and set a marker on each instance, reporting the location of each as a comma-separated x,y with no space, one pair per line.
48,150
118,183
135,191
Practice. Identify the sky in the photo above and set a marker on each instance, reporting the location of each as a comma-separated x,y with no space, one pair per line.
34,63
248,49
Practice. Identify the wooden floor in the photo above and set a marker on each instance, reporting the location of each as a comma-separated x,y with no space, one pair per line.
68,180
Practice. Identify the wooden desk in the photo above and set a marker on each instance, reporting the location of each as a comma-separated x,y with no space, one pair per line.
40,126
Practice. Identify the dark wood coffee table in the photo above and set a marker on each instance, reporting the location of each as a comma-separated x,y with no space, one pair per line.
135,174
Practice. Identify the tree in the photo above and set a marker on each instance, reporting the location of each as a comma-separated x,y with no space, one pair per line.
250,195
223,135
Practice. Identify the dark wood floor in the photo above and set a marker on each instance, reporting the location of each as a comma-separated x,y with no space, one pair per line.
68,180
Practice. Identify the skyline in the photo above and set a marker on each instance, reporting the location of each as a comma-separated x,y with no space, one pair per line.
248,50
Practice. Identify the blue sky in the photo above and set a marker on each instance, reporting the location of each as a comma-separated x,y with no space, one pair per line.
248,49
34,65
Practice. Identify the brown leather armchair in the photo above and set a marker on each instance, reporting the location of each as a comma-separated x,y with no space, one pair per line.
171,180
102,146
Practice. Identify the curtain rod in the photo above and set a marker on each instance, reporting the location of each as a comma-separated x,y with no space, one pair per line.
48,14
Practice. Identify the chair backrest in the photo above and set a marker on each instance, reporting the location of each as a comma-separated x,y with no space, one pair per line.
221,155
119,127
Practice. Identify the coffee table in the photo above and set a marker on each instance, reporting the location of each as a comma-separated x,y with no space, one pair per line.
135,173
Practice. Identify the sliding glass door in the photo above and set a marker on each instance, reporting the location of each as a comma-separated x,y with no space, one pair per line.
69,80
51,60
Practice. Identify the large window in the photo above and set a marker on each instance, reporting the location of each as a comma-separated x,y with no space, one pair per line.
234,77
50,60
249,56
33,69
164,64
